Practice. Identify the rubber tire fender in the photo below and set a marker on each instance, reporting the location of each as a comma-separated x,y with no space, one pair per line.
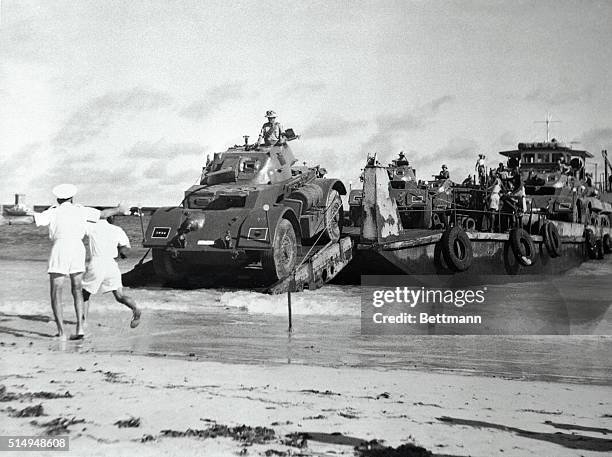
522,246
552,241
607,244
590,243
456,237
599,250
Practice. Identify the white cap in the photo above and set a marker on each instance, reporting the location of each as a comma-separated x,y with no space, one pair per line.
64,191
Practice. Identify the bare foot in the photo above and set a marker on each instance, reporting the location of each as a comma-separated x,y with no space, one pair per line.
60,337
135,318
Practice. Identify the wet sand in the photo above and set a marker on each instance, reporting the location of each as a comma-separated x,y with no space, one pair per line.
447,414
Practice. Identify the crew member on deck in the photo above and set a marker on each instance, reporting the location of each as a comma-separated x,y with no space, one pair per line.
402,160
444,174
271,132
481,169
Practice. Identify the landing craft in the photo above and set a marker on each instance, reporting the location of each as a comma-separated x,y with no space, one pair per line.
253,206
403,226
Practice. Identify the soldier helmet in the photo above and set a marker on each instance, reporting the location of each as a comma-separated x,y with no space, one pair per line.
270,113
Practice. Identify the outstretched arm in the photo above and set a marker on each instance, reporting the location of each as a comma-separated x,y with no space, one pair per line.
116,211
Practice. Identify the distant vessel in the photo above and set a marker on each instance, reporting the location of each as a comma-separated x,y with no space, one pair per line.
19,208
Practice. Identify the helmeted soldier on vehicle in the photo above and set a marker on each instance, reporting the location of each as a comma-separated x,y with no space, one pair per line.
444,174
271,132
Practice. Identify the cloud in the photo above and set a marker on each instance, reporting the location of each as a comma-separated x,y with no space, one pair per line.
458,149
162,174
212,99
601,137
413,119
391,126
93,118
86,174
594,141
550,97
508,138
434,106
161,149
304,88
329,125
23,159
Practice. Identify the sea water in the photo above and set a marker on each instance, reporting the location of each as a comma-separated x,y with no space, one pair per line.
247,327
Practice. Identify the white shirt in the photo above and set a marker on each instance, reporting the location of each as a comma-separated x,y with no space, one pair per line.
67,221
104,239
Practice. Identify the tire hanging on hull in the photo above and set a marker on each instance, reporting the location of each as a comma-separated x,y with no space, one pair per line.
457,248
590,243
607,244
522,246
552,241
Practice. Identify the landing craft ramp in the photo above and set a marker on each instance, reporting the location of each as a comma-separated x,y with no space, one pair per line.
317,269
316,266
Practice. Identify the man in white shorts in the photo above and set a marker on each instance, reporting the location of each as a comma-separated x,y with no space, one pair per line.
67,224
106,241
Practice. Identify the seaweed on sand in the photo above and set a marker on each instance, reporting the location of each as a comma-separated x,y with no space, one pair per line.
59,425
132,422
29,411
242,433
10,396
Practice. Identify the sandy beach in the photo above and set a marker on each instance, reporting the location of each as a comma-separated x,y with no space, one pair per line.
302,409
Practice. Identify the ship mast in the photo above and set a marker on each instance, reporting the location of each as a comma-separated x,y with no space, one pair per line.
548,120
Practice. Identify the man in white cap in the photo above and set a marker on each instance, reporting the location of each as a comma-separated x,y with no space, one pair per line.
271,132
67,224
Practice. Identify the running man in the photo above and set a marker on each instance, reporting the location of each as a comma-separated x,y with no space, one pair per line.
106,241
67,224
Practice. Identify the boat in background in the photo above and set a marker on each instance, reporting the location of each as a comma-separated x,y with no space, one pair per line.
19,208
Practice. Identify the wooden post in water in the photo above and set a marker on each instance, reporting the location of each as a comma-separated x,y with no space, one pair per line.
291,286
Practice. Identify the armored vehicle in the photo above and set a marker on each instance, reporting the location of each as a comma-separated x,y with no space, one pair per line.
420,204
251,207
556,182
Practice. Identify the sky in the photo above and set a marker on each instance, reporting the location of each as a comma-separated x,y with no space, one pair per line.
126,99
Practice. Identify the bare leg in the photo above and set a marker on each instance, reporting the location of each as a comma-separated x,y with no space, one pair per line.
77,295
86,296
56,280
130,303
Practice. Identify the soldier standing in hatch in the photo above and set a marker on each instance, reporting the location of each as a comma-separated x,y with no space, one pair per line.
444,174
271,132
